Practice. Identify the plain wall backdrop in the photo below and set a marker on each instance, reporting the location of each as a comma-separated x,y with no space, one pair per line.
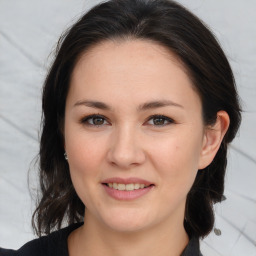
29,30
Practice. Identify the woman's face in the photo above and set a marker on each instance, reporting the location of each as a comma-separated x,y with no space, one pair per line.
132,119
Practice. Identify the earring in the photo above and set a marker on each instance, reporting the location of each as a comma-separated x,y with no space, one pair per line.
217,231
66,156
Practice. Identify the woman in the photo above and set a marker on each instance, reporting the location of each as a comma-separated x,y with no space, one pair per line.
139,107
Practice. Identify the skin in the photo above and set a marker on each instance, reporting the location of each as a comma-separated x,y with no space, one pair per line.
124,75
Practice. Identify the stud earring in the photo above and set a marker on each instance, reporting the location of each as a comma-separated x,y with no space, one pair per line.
66,156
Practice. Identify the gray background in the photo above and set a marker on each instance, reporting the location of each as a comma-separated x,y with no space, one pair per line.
29,30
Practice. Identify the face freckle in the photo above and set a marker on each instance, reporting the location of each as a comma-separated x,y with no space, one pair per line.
124,76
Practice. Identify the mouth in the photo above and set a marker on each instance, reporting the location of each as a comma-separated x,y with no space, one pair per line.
127,187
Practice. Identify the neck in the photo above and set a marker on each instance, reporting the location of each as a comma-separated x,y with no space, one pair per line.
95,240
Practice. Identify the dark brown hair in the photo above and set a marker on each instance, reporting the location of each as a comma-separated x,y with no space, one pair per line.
166,23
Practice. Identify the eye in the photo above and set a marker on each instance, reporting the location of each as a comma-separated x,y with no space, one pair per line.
160,120
94,120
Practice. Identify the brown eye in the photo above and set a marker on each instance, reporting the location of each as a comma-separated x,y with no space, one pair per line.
98,120
159,120
94,120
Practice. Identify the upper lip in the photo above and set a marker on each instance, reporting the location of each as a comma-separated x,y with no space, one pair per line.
131,180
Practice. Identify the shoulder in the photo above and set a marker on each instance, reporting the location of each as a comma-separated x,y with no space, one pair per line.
6,252
34,247
193,248
52,245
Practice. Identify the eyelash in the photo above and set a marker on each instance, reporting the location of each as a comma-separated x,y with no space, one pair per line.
165,118
86,119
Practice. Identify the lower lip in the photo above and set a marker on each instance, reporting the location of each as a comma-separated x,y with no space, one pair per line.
126,195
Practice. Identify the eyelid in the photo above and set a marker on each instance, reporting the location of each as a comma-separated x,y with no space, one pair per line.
84,120
170,120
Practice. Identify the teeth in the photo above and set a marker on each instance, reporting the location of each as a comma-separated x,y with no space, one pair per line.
115,185
136,186
121,186
127,187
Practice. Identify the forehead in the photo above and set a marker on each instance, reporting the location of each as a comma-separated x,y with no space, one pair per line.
130,51
131,69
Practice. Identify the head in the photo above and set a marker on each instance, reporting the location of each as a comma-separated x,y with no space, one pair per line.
178,40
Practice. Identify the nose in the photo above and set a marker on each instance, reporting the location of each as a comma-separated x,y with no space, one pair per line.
126,148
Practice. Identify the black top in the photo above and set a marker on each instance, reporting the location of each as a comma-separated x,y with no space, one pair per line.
55,244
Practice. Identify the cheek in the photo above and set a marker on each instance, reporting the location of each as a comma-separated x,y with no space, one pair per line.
85,157
176,160
83,150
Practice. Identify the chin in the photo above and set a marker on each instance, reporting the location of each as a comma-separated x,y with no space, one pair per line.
126,226
127,221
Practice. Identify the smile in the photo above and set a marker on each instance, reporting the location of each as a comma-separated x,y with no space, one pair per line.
127,187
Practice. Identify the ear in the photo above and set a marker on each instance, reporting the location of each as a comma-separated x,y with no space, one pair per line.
213,136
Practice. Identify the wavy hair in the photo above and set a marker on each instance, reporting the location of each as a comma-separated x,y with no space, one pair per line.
177,29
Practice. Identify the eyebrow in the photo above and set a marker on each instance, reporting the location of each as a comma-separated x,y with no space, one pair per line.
143,107
158,104
93,104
